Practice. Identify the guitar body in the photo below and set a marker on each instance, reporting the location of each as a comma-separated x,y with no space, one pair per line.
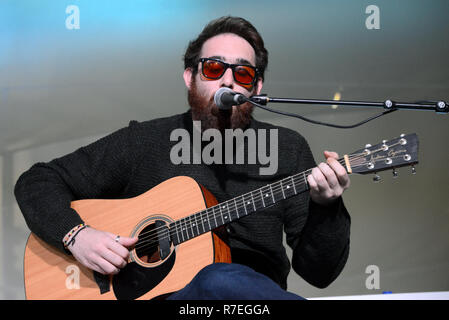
51,274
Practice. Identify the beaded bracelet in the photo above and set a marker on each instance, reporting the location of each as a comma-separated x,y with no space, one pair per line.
70,236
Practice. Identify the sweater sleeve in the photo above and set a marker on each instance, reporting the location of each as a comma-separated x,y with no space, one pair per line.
99,170
319,235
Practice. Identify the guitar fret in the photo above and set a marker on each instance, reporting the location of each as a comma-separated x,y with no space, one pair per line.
244,205
305,180
192,225
236,209
261,195
257,200
288,190
179,230
201,224
299,185
249,207
272,195
176,232
221,214
293,183
207,219
189,226
230,206
196,224
215,218
267,195
227,216
277,195
282,188
183,230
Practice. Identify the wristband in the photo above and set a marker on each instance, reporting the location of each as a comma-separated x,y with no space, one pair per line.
70,236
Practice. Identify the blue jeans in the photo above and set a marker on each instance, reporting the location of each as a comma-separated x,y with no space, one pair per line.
231,281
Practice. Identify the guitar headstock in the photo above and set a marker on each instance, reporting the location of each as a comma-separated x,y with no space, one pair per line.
394,153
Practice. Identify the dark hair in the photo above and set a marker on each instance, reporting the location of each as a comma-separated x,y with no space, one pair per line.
228,24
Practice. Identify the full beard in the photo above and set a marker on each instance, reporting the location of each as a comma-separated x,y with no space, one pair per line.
206,111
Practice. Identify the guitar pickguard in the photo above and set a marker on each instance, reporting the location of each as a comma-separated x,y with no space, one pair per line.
135,280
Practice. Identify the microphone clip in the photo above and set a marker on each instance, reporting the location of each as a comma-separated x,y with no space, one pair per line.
260,99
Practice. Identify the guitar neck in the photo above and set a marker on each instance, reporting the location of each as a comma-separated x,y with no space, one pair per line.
398,152
238,207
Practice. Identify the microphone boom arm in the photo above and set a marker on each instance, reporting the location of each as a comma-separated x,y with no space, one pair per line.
439,106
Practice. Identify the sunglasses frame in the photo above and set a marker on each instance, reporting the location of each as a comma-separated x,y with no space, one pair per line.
226,67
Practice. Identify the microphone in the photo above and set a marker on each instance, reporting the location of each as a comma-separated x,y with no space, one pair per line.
225,98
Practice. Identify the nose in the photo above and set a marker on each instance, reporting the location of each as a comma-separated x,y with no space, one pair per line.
228,79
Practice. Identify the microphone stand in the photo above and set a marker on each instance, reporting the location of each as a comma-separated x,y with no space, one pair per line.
439,106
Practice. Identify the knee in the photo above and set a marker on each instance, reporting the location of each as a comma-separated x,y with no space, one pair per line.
218,278
215,273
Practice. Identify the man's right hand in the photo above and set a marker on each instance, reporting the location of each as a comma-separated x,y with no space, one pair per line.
99,251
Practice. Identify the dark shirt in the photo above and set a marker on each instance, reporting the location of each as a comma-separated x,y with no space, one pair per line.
134,159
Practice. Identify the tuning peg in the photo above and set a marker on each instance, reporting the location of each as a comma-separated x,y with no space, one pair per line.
395,173
376,177
413,170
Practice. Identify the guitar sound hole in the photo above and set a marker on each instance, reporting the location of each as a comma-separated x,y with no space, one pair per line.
147,248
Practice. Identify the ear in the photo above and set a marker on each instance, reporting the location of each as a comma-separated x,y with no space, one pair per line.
259,85
187,75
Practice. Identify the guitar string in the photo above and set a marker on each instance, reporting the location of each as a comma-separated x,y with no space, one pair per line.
276,191
183,230
186,225
152,235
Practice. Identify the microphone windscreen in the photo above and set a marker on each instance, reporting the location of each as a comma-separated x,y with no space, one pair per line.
223,98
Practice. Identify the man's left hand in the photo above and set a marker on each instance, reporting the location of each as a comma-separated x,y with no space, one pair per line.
328,180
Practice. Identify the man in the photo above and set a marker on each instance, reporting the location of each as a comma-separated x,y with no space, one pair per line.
228,53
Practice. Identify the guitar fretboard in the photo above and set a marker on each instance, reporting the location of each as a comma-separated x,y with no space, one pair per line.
211,218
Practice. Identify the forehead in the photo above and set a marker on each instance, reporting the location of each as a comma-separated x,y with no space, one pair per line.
230,48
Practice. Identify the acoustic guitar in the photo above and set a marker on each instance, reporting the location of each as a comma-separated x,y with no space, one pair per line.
176,231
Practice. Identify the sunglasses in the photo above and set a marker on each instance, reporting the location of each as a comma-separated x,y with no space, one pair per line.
214,69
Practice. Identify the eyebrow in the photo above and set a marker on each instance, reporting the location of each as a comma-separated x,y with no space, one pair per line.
239,60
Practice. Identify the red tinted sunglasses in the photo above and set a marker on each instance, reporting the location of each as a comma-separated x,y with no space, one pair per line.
214,69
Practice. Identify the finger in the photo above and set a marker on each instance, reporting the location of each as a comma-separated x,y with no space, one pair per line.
329,175
320,179
339,171
113,258
118,249
128,242
330,154
120,244
95,264
313,186
89,264
94,267
106,267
